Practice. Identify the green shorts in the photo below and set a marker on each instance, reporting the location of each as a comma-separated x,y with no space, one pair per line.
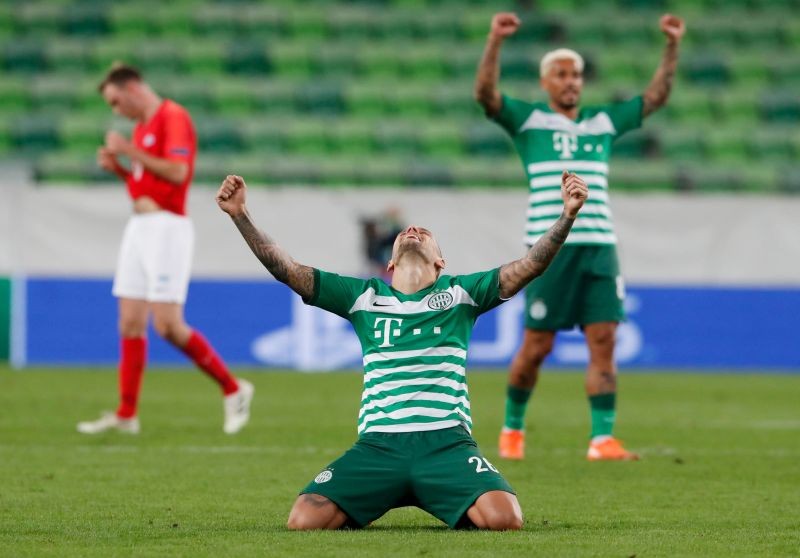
439,471
581,286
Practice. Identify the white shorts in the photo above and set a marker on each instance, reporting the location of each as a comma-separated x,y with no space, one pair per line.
155,258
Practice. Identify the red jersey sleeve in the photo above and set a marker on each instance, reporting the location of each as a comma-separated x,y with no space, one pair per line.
179,137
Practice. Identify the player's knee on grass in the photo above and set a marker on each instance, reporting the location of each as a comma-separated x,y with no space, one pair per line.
496,511
312,511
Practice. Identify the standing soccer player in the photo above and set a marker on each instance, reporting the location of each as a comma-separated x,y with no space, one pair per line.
583,286
154,265
414,446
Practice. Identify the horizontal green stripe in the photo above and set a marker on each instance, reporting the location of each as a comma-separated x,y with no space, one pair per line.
400,376
411,361
560,202
555,216
419,418
578,229
566,167
441,405
415,389
553,188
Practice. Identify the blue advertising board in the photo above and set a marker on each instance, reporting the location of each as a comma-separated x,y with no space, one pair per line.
262,323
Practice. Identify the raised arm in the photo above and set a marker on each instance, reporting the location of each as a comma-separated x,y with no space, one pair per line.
515,275
486,91
657,93
231,198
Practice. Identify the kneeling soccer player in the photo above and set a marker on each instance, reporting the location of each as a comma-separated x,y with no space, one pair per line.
414,446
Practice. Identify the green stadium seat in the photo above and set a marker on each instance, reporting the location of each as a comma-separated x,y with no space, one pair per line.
396,138
442,139
38,19
368,98
233,97
749,68
641,143
336,172
203,58
35,134
680,144
292,59
307,23
54,94
788,180
172,19
82,133
132,20
88,19
216,21
380,171
774,143
24,57
263,22
455,100
410,99
68,168
725,144
14,96
780,107
706,69
195,98
427,173
105,53
352,24
639,175
690,105
351,136
273,97
218,136
335,60
249,58
263,134
293,172
486,139
308,137
158,58
69,57
381,61
320,98
737,105
424,62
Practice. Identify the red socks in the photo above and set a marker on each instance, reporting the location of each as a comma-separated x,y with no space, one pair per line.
131,368
206,358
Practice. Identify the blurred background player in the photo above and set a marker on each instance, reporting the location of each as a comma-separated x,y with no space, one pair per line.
583,286
379,233
414,445
154,264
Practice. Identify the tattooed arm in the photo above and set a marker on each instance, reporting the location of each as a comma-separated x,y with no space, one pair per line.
657,93
515,275
231,199
486,92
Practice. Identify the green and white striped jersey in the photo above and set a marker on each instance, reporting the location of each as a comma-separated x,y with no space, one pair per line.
549,143
414,346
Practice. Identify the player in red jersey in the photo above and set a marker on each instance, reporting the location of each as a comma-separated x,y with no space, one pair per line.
153,269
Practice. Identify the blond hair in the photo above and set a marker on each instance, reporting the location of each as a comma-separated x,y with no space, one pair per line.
559,54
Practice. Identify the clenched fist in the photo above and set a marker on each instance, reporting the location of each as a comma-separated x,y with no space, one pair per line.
116,143
504,24
574,192
673,27
231,195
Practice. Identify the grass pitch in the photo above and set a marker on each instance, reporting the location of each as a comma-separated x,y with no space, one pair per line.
719,475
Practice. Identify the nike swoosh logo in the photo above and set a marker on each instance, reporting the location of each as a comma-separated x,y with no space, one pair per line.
381,305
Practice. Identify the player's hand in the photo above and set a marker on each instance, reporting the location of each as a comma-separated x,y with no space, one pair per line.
673,27
231,195
117,144
106,160
574,192
504,24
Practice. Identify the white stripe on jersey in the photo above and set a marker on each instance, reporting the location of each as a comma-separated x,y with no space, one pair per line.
417,396
395,384
555,180
540,227
555,195
370,301
597,125
429,352
554,211
579,238
440,366
572,166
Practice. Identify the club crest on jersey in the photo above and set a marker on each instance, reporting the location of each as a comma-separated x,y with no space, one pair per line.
149,140
324,476
440,301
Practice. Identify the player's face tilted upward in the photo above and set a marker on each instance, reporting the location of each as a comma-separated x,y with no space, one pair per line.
419,241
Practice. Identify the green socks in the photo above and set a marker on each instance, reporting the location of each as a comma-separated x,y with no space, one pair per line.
604,413
516,403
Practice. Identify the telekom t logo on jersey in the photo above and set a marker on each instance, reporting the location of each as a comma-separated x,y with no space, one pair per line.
389,329
566,143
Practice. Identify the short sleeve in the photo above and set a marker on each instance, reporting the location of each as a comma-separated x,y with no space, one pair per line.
513,114
484,288
179,136
336,293
626,115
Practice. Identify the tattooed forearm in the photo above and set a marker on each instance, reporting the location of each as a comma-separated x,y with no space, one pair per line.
515,275
657,93
486,92
300,278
